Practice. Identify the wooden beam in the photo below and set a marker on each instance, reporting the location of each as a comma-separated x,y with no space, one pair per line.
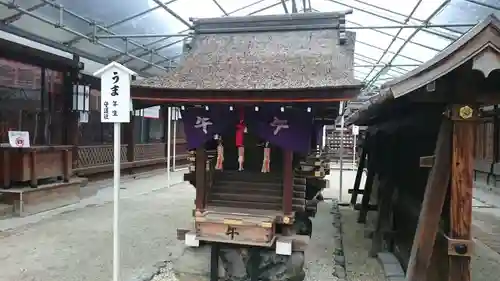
427,161
461,186
200,174
370,178
496,137
287,181
432,205
359,174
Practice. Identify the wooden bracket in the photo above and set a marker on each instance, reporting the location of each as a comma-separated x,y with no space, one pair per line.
463,112
460,247
427,161
360,191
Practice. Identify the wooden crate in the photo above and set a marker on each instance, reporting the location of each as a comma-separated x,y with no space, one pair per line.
29,165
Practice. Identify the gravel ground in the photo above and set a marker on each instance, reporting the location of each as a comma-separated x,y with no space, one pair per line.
485,264
77,244
359,266
319,255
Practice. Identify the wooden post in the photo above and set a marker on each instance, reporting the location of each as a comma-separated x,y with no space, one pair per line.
383,225
287,181
496,136
34,172
6,168
432,205
461,186
66,154
359,175
129,139
200,174
70,122
370,178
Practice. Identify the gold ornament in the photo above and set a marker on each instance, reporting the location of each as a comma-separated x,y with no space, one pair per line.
466,112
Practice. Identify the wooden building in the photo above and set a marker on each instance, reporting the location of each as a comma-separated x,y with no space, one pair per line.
48,96
420,152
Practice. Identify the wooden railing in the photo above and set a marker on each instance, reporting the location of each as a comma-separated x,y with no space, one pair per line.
99,158
149,151
97,155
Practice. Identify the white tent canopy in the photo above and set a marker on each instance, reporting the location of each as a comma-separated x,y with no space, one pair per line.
393,36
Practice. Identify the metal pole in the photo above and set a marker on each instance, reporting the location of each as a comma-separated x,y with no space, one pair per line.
403,26
169,142
341,148
125,36
394,38
323,138
174,137
116,201
63,10
69,30
415,32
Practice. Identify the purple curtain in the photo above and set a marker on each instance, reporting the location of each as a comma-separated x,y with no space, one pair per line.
200,125
290,129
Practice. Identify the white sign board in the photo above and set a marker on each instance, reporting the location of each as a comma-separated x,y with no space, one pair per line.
355,130
19,138
115,93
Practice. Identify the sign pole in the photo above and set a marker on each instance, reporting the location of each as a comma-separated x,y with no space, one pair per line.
354,151
116,201
174,138
115,108
169,143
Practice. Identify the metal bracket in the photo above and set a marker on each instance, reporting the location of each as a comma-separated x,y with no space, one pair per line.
460,247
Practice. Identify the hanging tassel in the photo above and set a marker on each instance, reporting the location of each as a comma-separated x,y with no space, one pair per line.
241,157
266,163
220,157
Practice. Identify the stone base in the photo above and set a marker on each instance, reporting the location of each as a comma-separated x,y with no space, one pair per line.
240,264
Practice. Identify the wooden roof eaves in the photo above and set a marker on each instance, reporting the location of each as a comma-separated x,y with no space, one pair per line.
371,110
441,63
324,94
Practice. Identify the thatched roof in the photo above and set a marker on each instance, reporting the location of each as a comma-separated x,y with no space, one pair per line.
265,52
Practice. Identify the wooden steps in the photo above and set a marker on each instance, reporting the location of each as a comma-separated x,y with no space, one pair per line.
253,190
257,198
252,205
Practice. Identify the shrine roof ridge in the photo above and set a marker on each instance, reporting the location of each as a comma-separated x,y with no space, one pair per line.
270,23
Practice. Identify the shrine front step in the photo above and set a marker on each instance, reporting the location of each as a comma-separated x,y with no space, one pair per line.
245,176
27,201
254,191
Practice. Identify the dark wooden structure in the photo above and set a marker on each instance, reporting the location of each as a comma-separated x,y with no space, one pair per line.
420,156
296,61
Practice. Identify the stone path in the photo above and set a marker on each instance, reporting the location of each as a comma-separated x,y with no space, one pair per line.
486,217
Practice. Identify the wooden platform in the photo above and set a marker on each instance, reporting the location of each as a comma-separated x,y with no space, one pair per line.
28,201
